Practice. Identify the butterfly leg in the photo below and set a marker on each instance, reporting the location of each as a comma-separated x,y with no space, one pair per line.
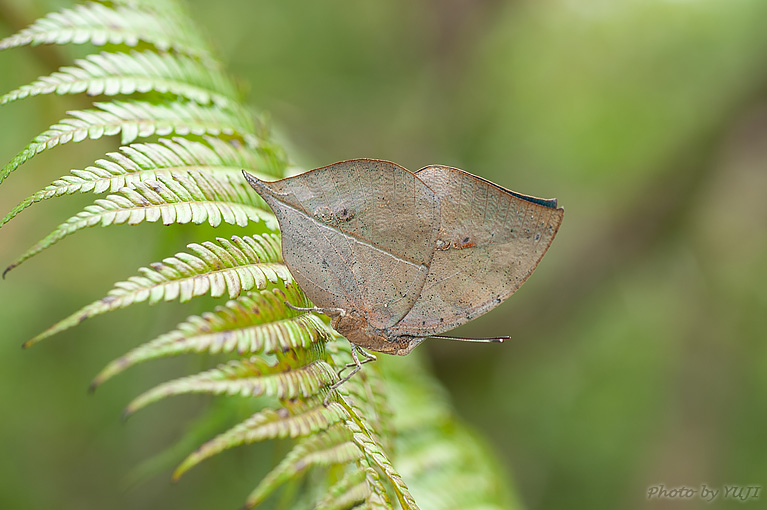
356,350
326,311
357,367
368,357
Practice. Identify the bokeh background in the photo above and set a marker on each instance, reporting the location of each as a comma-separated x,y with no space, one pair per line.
638,353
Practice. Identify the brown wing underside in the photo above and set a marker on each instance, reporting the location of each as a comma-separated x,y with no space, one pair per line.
490,241
357,235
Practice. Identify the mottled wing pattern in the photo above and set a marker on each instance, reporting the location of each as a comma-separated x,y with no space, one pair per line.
490,240
357,234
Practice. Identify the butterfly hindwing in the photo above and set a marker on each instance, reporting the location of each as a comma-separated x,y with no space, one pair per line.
490,240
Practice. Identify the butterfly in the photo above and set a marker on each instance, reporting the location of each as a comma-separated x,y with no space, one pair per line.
394,257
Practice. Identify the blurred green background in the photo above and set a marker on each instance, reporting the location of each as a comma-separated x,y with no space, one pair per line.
638,353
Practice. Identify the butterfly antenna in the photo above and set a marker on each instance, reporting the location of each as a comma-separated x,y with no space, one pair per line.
486,340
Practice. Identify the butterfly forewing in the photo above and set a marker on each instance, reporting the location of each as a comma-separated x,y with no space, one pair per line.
490,240
357,235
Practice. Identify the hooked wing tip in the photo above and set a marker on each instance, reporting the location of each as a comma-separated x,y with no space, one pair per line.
252,180
261,187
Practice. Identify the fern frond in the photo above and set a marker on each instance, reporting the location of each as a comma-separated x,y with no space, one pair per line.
377,498
435,451
127,73
366,440
286,356
299,420
122,25
235,266
330,447
450,456
191,198
370,398
351,490
137,119
255,323
253,377
142,162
